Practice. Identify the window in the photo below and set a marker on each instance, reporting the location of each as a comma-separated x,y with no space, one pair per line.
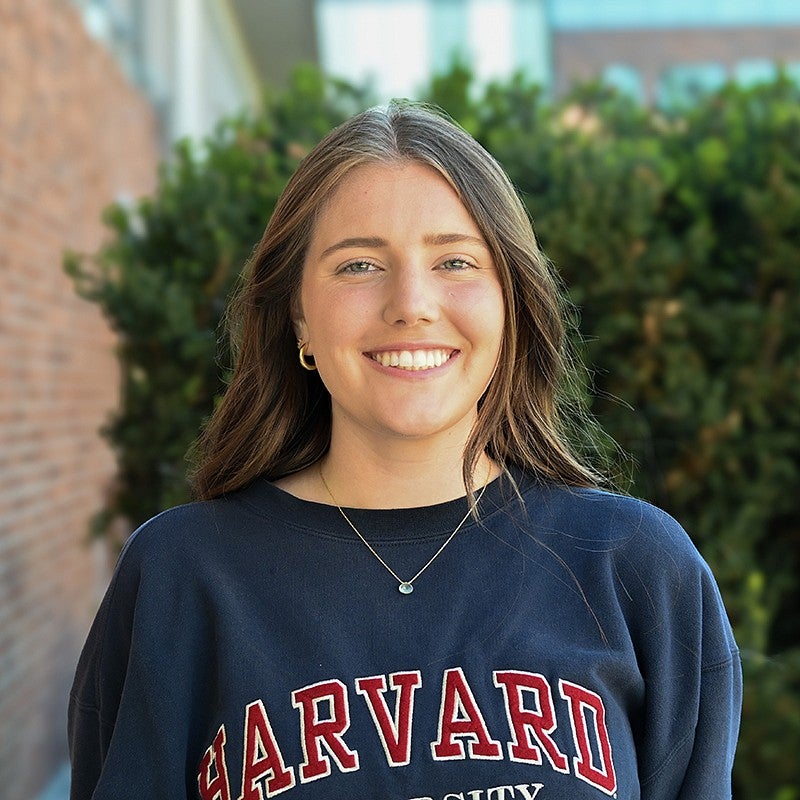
625,79
683,85
753,71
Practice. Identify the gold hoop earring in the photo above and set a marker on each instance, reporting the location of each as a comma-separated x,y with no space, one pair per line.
301,354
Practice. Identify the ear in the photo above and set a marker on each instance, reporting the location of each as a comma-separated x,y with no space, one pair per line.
301,332
299,322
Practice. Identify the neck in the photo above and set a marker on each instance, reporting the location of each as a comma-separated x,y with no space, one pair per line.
401,474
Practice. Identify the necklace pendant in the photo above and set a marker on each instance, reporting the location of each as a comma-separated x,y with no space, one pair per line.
405,588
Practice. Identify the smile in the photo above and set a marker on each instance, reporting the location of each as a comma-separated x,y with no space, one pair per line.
412,359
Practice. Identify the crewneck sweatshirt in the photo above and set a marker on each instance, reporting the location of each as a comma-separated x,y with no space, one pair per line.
567,644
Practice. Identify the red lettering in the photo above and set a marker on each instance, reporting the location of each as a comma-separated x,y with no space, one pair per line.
395,732
527,724
316,731
216,788
580,702
262,757
459,716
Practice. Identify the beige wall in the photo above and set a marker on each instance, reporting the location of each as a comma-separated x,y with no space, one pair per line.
74,135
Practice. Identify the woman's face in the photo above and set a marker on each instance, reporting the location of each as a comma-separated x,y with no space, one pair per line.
401,306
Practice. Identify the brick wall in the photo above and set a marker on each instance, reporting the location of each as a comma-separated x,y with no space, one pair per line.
582,55
74,135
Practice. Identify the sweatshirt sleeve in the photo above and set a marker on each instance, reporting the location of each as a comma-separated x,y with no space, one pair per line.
97,687
130,704
693,683
714,741
699,765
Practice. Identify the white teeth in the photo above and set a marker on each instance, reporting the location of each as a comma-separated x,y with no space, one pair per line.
413,359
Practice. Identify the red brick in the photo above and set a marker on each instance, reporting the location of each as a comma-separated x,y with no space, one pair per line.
74,136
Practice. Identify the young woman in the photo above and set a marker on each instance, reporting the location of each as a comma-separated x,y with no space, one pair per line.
400,582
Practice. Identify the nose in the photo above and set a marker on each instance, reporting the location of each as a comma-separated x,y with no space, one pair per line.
411,297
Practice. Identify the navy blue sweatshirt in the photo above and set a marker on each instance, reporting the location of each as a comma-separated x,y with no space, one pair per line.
570,645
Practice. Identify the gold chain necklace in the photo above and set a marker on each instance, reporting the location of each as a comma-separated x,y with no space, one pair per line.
404,587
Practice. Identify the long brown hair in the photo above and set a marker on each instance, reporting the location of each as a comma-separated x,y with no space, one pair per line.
275,417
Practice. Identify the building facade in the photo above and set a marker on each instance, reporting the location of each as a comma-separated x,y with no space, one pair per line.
74,135
188,58
663,52
396,45
666,52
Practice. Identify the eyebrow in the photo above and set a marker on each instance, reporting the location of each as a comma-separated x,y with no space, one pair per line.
377,242
453,238
355,241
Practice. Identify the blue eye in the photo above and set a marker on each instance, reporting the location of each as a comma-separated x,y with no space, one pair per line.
358,267
457,264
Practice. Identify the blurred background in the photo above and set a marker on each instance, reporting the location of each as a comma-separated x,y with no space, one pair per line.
142,145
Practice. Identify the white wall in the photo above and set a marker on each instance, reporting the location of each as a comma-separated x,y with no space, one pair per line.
187,55
399,44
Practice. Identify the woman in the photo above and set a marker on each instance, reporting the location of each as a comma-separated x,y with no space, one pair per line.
401,583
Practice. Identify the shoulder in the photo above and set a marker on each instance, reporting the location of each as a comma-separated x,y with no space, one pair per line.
203,538
181,557
169,534
204,522
180,540
645,559
603,521
621,543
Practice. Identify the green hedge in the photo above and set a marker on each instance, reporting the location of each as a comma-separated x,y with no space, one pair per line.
679,239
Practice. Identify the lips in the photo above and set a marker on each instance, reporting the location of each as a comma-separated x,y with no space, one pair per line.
412,360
